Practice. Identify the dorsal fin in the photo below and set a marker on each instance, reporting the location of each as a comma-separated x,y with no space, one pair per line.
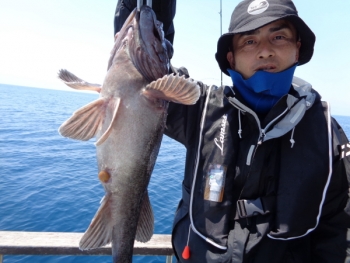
76,83
173,88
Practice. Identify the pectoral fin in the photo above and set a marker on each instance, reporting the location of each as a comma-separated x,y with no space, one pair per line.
173,88
85,122
109,129
145,225
76,83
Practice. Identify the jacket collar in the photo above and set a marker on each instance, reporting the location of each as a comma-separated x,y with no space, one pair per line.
287,112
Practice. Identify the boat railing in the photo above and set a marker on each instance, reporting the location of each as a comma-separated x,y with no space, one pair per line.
63,243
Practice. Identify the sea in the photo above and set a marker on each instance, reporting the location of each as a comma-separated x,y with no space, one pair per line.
49,183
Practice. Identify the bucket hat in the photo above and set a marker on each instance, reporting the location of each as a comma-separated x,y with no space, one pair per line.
250,15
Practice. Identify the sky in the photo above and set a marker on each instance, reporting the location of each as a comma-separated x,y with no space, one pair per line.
39,37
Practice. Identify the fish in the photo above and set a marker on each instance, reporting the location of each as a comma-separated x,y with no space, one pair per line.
128,121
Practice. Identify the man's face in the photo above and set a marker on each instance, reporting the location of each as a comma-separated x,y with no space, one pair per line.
273,48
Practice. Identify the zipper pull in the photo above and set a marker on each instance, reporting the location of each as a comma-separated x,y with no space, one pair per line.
262,136
292,139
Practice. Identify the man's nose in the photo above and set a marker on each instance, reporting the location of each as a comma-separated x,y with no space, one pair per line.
265,50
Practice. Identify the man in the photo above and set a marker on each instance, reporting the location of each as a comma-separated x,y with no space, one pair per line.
267,173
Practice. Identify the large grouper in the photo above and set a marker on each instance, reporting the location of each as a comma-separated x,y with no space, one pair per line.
128,120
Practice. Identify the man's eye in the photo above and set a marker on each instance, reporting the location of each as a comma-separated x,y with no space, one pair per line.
249,42
279,37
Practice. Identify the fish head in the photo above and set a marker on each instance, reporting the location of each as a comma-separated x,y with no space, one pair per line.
142,37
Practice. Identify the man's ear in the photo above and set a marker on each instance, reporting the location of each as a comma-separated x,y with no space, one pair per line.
231,59
298,50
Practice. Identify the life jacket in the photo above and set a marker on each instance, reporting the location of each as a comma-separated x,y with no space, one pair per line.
228,206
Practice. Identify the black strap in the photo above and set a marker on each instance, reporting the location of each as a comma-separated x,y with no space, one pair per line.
260,206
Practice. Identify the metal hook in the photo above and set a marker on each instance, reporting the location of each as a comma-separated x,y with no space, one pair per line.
140,3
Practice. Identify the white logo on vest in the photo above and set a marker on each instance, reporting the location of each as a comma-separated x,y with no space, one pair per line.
257,7
220,142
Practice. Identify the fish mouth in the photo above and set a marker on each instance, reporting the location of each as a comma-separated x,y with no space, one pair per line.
150,29
142,37
159,35
157,51
157,32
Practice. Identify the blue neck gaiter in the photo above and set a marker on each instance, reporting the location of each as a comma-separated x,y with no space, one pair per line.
262,90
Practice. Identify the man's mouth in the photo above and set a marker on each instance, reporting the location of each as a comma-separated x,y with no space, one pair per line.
269,68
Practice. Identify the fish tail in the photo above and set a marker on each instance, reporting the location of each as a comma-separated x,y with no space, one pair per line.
100,229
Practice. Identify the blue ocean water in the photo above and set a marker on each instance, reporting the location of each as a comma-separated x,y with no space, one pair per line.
49,183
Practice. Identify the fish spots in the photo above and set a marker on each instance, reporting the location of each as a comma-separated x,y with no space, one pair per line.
104,176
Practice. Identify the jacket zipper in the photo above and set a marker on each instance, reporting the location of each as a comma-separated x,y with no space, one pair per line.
243,108
262,132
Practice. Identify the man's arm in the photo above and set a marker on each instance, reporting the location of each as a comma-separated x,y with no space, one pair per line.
331,239
183,120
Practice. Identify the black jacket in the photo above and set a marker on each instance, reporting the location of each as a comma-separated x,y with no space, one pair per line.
261,189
